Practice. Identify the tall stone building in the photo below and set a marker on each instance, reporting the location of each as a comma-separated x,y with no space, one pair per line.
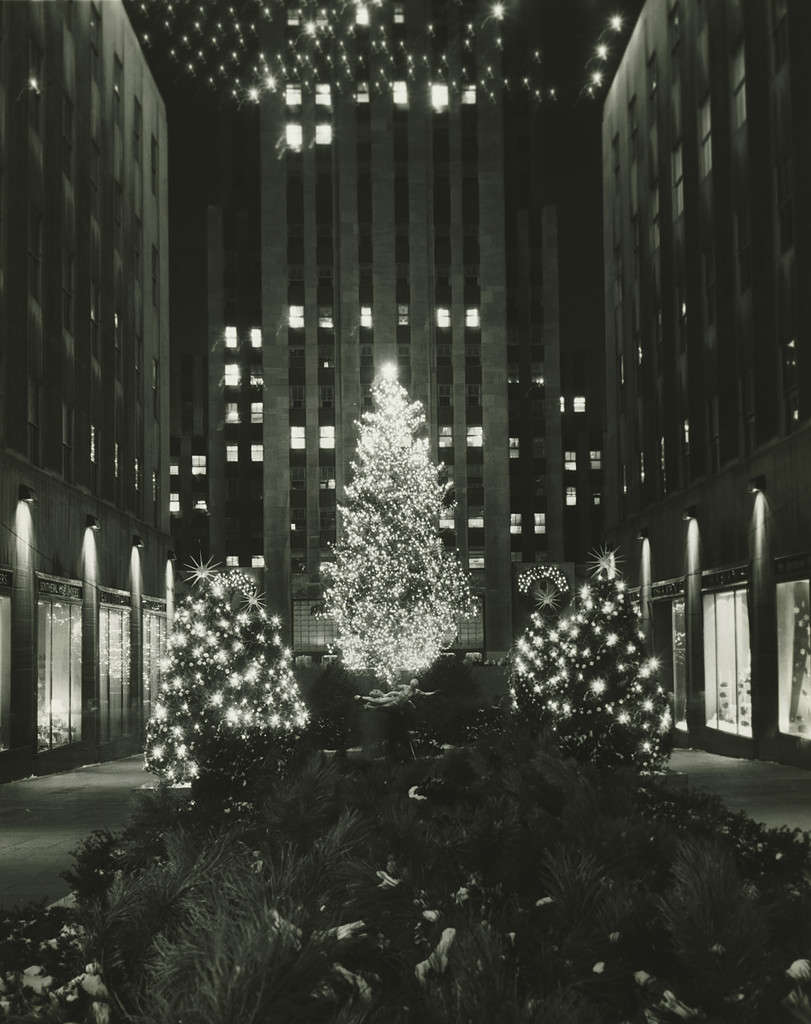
390,222
84,398
707,248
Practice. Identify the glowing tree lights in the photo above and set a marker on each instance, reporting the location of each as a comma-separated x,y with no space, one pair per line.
229,699
394,592
584,673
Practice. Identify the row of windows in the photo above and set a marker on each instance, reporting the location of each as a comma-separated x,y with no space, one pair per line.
438,92
294,18
595,460
295,320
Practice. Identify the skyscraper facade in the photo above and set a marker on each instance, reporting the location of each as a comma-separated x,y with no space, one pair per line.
84,396
392,221
705,135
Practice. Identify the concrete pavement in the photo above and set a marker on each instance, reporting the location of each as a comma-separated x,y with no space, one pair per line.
43,819
774,794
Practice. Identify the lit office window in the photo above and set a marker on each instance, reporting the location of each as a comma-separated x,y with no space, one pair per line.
92,442
468,94
199,465
323,96
325,319
294,135
446,437
231,412
705,137
326,478
400,94
232,375
292,95
257,452
472,317
475,522
579,403
293,16
230,337
439,96
476,561
256,412
361,14
571,495
366,316
257,561
232,453
562,403
362,93
399,14
539,522
570,460
323,134
515,522
475,437
447,522
232,561
515,447
256,337
326,437
297,439
201,505
295,316
595,459
443,317
174,469
596,498
402,316
642,467
257,380
174,501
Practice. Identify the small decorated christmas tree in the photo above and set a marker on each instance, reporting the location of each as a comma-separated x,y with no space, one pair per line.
229,699
584,674
395,593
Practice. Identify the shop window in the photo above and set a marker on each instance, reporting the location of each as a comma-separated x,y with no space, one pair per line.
155,632
794,658
727,663
59,673
5,669
678,627
114,672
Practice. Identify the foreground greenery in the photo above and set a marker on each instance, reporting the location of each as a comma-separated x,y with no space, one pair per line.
494,882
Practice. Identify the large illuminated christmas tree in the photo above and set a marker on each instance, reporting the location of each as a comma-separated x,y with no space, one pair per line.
394,592
584,674
229,699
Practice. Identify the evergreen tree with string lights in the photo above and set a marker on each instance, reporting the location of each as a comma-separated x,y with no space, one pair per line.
394,592
584,674
229,700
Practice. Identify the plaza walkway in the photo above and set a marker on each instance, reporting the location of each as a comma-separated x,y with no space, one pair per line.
43,819
774,794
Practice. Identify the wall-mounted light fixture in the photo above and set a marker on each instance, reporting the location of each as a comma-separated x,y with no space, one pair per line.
643,534
137,542
691,512
171,556
757,483
27,493
93,523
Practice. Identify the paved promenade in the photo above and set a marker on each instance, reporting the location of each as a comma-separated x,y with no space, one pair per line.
43,819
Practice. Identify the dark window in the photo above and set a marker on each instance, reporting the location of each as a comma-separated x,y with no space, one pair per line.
785,202
780,32
137,128
153,165
155,276
67,291
67,134
35,254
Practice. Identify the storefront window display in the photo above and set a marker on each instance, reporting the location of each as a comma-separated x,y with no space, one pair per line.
154,652
114,672
5,669
727,662
679,635
794,657
59,672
